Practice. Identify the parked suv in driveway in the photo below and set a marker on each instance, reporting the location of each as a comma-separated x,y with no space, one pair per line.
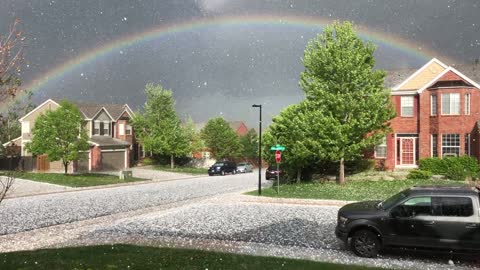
223,167
420,217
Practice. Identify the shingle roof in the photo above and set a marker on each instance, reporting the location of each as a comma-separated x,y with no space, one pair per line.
107,141
90,110
236,124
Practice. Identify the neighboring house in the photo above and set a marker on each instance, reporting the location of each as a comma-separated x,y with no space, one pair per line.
239,127
438,115
111,138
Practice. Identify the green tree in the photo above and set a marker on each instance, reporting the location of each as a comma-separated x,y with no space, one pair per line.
249,144
60,134
9,125
347,92
193,136
221,139
158,127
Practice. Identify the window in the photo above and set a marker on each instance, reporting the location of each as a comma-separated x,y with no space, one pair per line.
96,128
434,145
381,149
106,128
433,104
450,145
467,104
128,130
406,105
451,104
25,127
467,144
452,206
414,207
121,129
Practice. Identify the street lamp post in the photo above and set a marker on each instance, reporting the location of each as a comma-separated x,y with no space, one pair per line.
259,149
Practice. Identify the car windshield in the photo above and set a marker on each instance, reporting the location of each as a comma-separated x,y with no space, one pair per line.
392,200
241,164
218,164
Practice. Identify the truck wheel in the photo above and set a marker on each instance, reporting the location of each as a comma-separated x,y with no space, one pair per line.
365,243
234,172
222,172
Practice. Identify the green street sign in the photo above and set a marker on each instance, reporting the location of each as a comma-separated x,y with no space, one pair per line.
277,147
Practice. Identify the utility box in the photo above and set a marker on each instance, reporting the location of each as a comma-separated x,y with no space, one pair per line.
125,174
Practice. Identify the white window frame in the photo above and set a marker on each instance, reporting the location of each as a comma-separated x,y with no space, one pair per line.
95,127
403,101
451,146
432,145
128,129
381,145
467,104
433,109
451,103
106,124
121,129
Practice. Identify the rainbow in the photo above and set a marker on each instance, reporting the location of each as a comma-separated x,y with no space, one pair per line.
201,23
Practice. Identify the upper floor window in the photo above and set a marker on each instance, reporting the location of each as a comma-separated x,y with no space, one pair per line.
406,103
381,149
25,127
101,128
128,130
451,103
467,104
433,104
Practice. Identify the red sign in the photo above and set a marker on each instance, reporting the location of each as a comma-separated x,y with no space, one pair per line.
278,156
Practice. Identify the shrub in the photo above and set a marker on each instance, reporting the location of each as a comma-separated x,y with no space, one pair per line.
148,161
455,168
419,175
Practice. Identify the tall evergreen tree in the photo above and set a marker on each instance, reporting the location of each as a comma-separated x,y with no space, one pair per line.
158,127
343,86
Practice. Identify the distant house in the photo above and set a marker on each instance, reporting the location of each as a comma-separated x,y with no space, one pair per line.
111,137
438,115
239,127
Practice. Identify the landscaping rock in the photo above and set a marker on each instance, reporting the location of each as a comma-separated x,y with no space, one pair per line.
438,177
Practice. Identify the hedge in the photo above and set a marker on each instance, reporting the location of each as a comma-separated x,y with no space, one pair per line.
455,168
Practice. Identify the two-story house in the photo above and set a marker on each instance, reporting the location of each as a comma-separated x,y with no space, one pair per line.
111,138
438,114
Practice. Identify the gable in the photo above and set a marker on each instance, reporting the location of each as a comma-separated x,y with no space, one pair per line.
450,76
102,116
42,108
423,76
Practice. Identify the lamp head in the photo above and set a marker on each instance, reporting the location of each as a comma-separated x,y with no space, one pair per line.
257,105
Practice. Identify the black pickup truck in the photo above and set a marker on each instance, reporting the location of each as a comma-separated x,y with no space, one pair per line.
432,217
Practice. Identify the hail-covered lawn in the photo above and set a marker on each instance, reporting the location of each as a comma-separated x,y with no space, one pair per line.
76,180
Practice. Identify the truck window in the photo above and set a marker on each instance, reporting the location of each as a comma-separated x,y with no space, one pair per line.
452,206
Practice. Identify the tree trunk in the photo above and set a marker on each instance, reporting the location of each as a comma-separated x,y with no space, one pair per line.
65,165
299,175
341,178
172,162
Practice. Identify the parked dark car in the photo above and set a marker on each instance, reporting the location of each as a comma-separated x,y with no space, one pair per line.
222,167
271,172
429,217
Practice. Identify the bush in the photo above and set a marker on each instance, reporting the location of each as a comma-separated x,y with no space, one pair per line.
455,168
419,175
148,161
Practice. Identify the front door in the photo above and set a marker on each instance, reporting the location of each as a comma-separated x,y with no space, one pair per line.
407,151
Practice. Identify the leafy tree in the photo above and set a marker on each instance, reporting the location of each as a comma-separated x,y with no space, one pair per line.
249,144
221,139
347,93
158,128
193,136
292,129
9,125
60,134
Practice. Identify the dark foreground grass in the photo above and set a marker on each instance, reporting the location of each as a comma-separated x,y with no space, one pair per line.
356,190
138,257
187,170
76,180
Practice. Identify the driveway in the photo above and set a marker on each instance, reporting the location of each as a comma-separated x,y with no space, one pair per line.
23,187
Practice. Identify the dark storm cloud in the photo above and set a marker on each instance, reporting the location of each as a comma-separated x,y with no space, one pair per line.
219,70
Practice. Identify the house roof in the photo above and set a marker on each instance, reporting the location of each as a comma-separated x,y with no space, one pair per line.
236,124
107,141
90,110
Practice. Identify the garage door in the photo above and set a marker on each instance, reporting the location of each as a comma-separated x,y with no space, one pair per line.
113,161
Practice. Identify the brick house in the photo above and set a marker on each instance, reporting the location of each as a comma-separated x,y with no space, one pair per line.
111,138
239,127
438,115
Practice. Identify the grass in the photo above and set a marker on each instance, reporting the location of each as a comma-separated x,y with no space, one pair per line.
76,180
357,190
137,257
187,170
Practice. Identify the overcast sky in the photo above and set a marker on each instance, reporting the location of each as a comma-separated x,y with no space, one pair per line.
220,70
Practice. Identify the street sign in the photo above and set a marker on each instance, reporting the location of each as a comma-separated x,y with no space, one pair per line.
278,156
277,147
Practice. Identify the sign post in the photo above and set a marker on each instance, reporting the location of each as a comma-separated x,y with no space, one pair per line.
278,158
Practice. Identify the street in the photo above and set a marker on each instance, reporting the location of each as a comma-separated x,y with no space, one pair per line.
202,212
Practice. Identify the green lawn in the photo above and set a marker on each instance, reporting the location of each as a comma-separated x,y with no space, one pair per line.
187,170
137,257
76,180
357,190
